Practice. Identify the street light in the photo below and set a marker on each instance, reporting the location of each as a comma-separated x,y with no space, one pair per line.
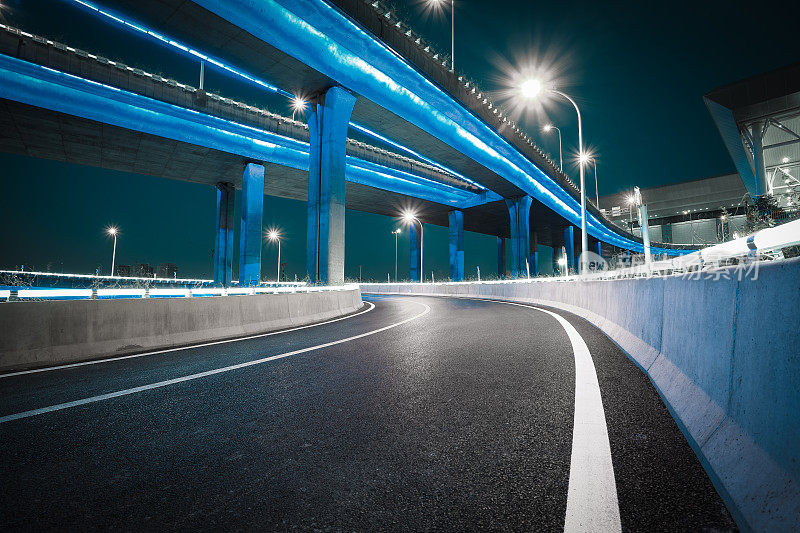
547,128
298,105
273,235
396,233
532,88
409,218
112,230
441,3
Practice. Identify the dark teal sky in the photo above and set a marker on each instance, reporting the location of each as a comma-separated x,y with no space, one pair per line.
638,70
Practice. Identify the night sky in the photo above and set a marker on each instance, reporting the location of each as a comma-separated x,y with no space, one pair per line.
637,69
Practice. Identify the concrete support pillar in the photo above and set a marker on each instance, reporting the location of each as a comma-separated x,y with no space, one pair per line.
533,258
251,227
415,241
760,170
501,257
223,242
569,244
456,224
518,212
328,120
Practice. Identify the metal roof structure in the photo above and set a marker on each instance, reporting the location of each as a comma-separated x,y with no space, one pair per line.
759,121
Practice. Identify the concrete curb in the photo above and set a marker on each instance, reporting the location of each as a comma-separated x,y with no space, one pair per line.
42,333
724,354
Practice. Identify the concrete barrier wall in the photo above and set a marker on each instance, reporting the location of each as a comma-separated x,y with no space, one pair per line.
42,333
723,353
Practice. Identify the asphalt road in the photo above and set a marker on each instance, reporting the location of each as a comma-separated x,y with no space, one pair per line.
417,414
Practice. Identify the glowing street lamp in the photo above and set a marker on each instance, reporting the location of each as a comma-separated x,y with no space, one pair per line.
547,129
531,89
395,233
113,231
410,218
441,3
298,105
273,235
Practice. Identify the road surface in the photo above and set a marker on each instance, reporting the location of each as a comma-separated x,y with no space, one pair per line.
415,413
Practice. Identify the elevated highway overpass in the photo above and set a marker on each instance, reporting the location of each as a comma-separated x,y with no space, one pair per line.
409,136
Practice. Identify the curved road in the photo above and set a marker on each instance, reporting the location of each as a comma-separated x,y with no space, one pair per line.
415,413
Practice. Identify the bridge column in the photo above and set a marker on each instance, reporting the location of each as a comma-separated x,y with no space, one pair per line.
328,120
556,238
223,242
415,240
456,219
501,257
518,211
533,259
250,235
569,244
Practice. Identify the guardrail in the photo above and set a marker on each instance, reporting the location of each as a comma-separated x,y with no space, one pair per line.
38,293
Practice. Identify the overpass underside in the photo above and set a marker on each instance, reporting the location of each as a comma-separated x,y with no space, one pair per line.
158,127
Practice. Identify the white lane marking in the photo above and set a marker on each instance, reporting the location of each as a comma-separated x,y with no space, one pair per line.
190,377
166,350
592,503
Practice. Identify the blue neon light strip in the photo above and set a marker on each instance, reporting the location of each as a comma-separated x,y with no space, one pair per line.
162,39
52,89
317,34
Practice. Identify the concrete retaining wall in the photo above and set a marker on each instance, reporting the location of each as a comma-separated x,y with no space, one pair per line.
42,333
723,353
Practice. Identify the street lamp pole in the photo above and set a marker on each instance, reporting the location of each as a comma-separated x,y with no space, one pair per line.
584,243
274,235
452,36
279,260
452,29
396,233
113,232
114,254
547,128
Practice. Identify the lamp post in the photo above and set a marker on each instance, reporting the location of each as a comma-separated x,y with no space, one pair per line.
273,235
113,232
547,128
452,29
593,161
396,233
530,89
410,218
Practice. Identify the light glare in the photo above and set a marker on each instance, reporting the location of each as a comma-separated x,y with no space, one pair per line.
531,88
